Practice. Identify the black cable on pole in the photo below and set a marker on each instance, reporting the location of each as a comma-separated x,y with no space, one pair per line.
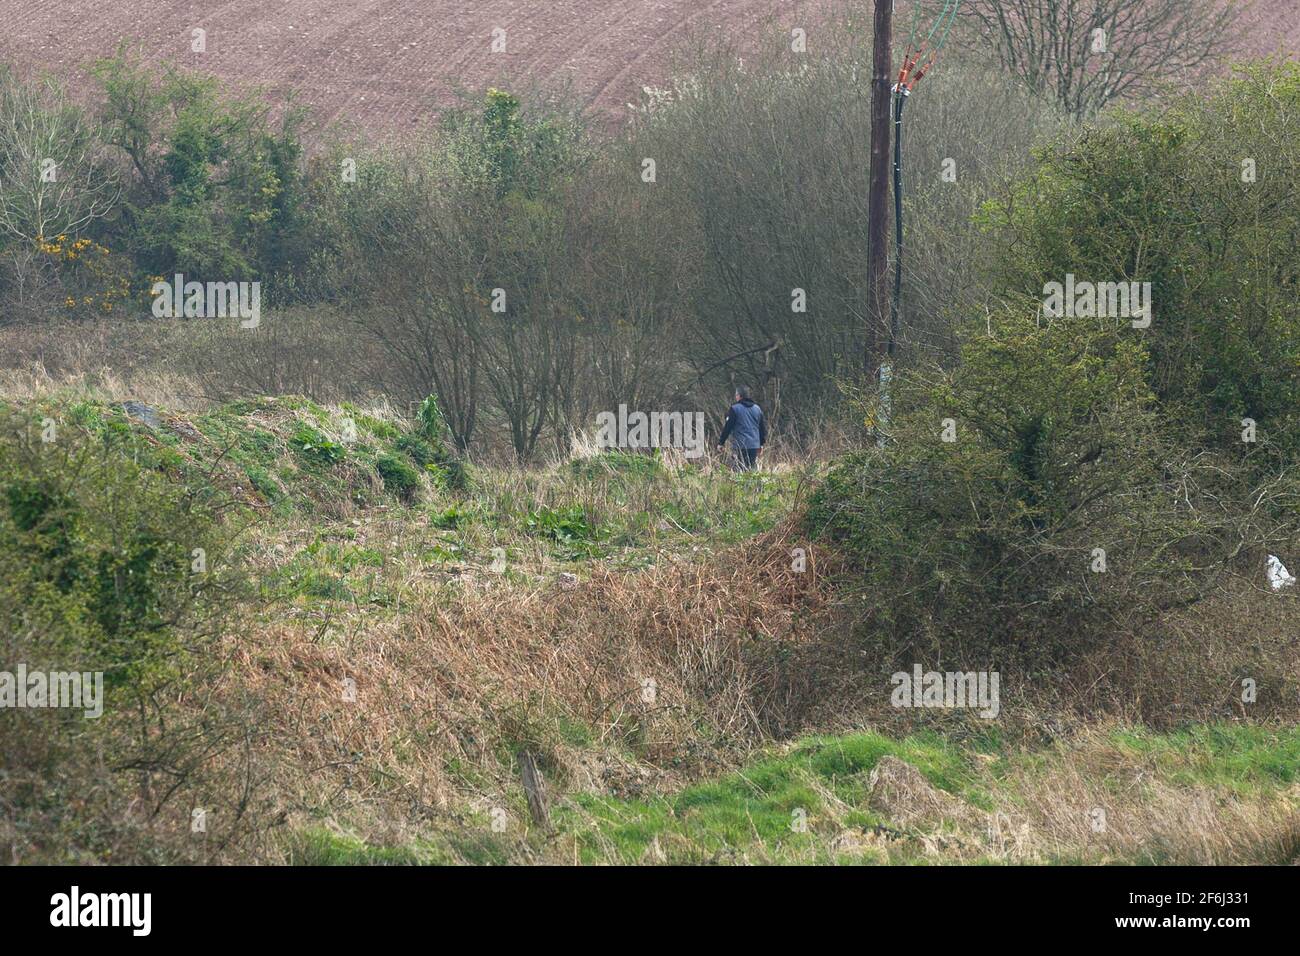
917,61
900,100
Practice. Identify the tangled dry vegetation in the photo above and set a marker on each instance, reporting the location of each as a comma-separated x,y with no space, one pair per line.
460,677
470,670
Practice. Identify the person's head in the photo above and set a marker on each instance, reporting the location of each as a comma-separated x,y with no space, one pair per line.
742,393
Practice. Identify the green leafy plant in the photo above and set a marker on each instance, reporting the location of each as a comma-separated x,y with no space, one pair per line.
108,566
398,476
312,444
450,517
428,448
565,525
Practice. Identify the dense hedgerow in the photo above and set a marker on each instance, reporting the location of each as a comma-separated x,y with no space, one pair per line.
1073,479
1202,200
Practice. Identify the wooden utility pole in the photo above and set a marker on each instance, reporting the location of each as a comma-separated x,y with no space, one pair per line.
878,293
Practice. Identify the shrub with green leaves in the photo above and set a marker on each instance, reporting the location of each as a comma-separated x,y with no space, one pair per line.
1028,502
564,525
216,189
100,552
1075,476
1202,200
109,566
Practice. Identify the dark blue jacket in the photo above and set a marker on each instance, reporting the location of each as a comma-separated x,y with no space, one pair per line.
746,426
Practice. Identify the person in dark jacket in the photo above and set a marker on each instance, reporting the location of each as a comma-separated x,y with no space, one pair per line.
746,426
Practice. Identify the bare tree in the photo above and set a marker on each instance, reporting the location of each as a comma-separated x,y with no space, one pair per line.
629,287
420,271
1086,54
52,178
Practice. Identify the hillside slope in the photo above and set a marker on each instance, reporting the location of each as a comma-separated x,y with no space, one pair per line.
386,64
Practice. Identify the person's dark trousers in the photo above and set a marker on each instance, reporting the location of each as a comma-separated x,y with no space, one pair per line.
746,459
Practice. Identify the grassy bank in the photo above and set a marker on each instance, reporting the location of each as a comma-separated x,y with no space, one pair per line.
662,638
1217,794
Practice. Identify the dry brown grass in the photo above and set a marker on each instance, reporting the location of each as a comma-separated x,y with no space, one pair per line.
471,667
1096,803
466,673
197,362
160,389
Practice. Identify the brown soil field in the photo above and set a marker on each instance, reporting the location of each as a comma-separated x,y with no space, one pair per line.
389,65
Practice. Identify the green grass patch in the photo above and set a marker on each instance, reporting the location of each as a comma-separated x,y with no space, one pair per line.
752,813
